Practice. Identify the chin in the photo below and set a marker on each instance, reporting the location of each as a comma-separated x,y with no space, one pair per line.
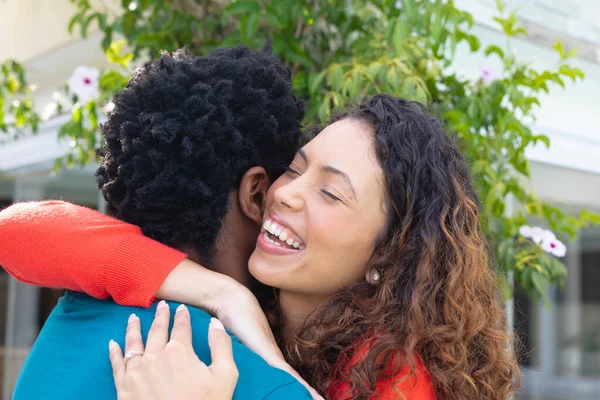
267,272
263,272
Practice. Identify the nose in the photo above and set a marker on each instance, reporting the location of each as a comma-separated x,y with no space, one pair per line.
289,196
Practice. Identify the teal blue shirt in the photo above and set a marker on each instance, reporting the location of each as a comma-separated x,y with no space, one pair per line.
69,360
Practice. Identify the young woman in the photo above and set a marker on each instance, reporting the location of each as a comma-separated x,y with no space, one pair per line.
384,285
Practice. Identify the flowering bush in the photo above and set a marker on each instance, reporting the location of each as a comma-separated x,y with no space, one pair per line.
342,51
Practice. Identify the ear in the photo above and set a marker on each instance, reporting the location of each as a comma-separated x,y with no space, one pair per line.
253,193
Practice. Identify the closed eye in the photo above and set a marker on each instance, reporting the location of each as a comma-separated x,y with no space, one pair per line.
292,171
330,195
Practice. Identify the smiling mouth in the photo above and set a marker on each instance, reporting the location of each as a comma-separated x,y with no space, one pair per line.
282,237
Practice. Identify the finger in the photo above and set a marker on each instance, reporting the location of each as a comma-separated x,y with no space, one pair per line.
133,336
220,350
116,360
159,332
182,330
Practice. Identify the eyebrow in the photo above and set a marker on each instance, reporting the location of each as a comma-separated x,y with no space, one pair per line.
332,170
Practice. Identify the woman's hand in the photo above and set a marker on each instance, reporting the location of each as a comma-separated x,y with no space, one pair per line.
233,304
242,315
169,369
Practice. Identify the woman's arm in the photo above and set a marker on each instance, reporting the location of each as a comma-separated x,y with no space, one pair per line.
58,244
62,245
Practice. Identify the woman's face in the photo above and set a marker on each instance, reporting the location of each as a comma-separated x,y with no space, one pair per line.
323,216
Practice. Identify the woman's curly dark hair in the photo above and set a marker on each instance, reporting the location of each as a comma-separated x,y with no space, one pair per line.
183,133
437,298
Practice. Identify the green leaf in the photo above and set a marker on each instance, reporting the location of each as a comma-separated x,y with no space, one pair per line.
113,54
77,114
500,5
325,109
272,18
248,27
543,138
401,33
539,281
128,23
393,77
410,10
437,27
473,42
107,38
75,20
335,76
494,49
409,88
315,84
242,8
373,69
558,46
91,109
473,110
572,73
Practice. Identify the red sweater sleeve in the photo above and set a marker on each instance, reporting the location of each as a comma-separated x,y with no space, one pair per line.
62,245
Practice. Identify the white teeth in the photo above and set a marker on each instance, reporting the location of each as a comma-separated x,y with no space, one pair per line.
283,236
272,228
268,239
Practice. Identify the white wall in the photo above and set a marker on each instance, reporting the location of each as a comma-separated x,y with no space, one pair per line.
571,116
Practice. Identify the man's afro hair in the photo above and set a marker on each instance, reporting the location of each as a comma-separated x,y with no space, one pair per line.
185,130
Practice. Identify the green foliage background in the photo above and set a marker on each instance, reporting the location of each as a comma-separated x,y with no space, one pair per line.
340,51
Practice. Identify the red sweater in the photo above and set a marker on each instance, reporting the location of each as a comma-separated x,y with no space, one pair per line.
62,245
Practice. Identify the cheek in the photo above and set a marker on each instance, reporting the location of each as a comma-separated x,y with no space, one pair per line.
341,249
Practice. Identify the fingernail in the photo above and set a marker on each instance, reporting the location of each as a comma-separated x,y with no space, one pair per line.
216,324
180,308
111,344
162,304
132,318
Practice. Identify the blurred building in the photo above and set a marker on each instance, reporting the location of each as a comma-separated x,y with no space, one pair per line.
562,359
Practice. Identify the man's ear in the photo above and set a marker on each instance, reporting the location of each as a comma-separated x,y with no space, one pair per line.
253,193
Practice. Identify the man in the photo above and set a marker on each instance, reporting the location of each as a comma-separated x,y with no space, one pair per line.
190,150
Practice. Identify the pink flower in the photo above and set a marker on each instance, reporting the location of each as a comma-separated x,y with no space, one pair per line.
554,247
84,83
487,74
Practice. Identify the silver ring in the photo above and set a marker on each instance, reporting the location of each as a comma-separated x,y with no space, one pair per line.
133,353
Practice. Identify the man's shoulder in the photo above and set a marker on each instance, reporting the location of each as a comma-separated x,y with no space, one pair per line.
257,380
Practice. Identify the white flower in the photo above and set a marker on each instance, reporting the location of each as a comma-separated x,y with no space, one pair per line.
545,238
526,231
538,235
554,247
84,83
535,233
